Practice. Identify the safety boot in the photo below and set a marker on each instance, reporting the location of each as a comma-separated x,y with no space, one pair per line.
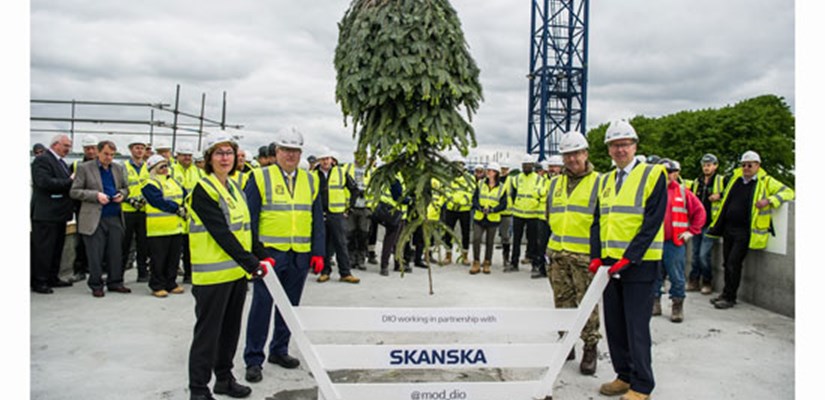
692,285
485,266
614,388
676,313
657,306
465,260
707,287
538,272
371,257
505,253
476,268
589,358
448,259
634,395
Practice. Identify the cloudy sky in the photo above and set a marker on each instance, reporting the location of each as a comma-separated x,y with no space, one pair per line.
274,60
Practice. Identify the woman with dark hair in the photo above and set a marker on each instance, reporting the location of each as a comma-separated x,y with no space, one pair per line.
220,241
489,200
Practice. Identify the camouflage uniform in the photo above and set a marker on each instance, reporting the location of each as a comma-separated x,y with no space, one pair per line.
570,278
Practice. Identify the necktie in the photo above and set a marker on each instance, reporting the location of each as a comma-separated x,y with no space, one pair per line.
289,184
65,167
619,179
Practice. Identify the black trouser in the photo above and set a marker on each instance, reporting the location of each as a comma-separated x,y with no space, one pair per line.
218,312
391,234
105,245
541,250
359,229
46,251
165,258
80,265
372,238
187,258
627,306
533,236
135,227
336,225
734,249
463,217
418,242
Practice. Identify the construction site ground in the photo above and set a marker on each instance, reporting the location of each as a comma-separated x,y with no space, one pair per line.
135,346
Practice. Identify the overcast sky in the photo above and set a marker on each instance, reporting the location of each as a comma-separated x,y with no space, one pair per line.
274,60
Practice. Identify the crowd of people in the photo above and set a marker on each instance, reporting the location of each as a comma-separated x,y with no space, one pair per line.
217,220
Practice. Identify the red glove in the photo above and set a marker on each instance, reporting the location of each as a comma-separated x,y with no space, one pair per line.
594,265
317,264
618,266
263,267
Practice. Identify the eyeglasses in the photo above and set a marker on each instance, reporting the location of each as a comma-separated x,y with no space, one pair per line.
749,165
224,153
163,166
623,145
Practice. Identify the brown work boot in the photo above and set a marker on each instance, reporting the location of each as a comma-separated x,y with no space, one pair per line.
349,279
476,268
465,260
614,388
448,259
657,306
676,314
322,278
634,395
485,267
589,358
707,288
692,285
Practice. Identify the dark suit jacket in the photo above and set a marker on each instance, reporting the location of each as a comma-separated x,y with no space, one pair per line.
50,190
86,186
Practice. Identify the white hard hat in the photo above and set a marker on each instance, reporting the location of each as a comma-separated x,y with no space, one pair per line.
185,148
154,161
198,157
479,167
750,156
494,166
620,129
290,138
544,164
89,140
555,160
572,141
216,139
528,159
163,146
136,141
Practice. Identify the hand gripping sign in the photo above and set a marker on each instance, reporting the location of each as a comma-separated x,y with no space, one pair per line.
320,358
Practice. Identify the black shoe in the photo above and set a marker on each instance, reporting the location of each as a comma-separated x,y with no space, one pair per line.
723,304
420,264
253,373
408,269
372,259
201,397
60,283
384,272
232,388
187,279
538,274
511,268
42,289
360,267
284,360
716,299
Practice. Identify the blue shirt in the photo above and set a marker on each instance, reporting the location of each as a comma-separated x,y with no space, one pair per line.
111,209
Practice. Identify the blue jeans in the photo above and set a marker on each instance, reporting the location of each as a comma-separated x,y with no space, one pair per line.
673,261
701,266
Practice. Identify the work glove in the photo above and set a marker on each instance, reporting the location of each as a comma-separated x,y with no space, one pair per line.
317,264
618,266
181,212
685,236
263,267
134,202
594,265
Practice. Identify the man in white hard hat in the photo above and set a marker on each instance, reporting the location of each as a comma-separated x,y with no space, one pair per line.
708,188
288,220
89,144
572,194
164,149
478,172
555,163
134,212
627,237
744,221
526,192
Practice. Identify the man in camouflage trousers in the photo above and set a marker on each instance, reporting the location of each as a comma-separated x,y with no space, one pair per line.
570,202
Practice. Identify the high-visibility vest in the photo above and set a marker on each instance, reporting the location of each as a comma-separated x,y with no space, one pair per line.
528,189
210,263
545,191
570,216
434,208
717,187
460,194
622,213
240,178
679,215
371,203
766,188
187,177
508,188
285,222
337,192
386,197
159,222
135,179
489,198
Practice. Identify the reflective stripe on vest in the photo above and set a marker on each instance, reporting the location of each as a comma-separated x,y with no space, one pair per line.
528,197
159,222
679,216
135,180
337,193
210,263
570,216
285,222
622,213
489,199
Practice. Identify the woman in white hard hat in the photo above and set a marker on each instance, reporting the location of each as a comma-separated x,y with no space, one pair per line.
489,200
220,240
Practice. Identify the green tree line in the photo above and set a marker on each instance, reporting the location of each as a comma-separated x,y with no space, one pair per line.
763,124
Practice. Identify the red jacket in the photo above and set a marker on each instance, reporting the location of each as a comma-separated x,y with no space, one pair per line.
695,210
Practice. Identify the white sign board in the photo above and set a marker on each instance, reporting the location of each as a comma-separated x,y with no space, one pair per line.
779,243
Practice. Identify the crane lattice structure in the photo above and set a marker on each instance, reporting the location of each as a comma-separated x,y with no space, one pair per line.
558,73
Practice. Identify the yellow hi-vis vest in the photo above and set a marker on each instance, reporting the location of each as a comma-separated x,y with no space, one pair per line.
386,197
135,179
285,222
528,196
337,193
715,206
766,188
434,208
240,178
489,198
508,187
545,190
187,177
570,216
162,223
210,263
460,194
622,213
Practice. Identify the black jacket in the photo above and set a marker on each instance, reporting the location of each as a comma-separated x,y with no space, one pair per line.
50,190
